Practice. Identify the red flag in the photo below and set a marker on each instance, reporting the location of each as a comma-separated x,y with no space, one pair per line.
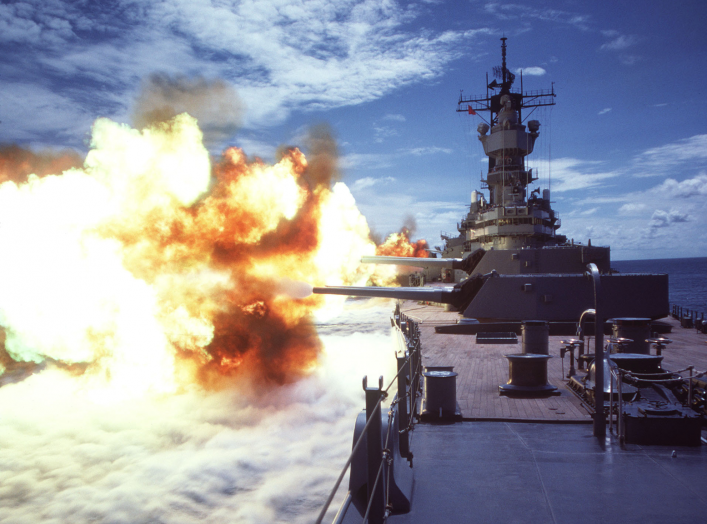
471,111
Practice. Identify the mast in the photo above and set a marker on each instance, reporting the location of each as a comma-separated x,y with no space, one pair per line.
509,142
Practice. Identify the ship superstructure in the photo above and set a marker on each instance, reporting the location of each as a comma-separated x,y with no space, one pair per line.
514,227
510,218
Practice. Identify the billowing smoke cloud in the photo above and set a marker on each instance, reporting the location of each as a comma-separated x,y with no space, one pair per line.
409,225
215,104
17,163
235,455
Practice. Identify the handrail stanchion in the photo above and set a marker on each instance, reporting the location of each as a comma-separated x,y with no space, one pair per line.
374,450
611,402
619,383
689,387
403,373
599,354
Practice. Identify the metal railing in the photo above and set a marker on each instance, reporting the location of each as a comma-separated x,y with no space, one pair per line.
409,365
689,318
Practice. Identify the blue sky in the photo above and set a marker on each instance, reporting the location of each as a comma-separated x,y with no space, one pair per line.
625,146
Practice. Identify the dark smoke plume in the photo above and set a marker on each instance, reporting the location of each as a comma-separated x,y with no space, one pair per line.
215,104
17,163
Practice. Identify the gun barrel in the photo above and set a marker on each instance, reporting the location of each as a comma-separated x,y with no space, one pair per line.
448,263
441,295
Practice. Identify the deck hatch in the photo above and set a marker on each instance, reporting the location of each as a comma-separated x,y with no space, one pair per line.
485,337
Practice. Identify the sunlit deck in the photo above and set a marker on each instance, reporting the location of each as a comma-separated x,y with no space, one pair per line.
482,368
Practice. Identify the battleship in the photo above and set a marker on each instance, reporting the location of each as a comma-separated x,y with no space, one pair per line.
513,265
564,393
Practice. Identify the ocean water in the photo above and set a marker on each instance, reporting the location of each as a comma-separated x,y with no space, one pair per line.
687,277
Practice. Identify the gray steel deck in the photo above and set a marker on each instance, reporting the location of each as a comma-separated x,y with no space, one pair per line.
490,472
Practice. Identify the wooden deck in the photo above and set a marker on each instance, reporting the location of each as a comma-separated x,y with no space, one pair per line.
482,368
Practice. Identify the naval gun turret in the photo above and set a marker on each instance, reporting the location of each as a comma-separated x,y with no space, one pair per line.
495,297
515,228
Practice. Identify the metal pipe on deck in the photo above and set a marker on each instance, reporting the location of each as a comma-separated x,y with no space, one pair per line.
599,354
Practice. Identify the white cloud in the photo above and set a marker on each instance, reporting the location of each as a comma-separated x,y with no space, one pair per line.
691,187
316,56
45,23
531,71
33,112
380,133
366,182
430,150
570,174
280,56
604,111
524,12
394,117
629,59
648,223
662,218
618,42
386,160
658,160
367,160
253,147
632,208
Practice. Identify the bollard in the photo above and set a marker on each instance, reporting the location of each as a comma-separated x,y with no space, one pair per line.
374,451
637,330
535,337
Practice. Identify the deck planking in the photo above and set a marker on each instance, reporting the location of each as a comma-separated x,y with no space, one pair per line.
481,368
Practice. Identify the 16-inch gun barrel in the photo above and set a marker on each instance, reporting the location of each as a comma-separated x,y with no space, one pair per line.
441,263
428,294
467,263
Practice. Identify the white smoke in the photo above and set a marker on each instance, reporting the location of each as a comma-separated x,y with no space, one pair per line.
194,456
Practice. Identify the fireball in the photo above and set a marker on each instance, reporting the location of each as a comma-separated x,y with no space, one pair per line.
154,266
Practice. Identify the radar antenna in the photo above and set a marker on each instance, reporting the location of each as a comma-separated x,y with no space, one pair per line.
492,101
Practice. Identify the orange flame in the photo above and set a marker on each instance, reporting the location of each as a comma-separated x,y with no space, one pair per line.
399,245
178,269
